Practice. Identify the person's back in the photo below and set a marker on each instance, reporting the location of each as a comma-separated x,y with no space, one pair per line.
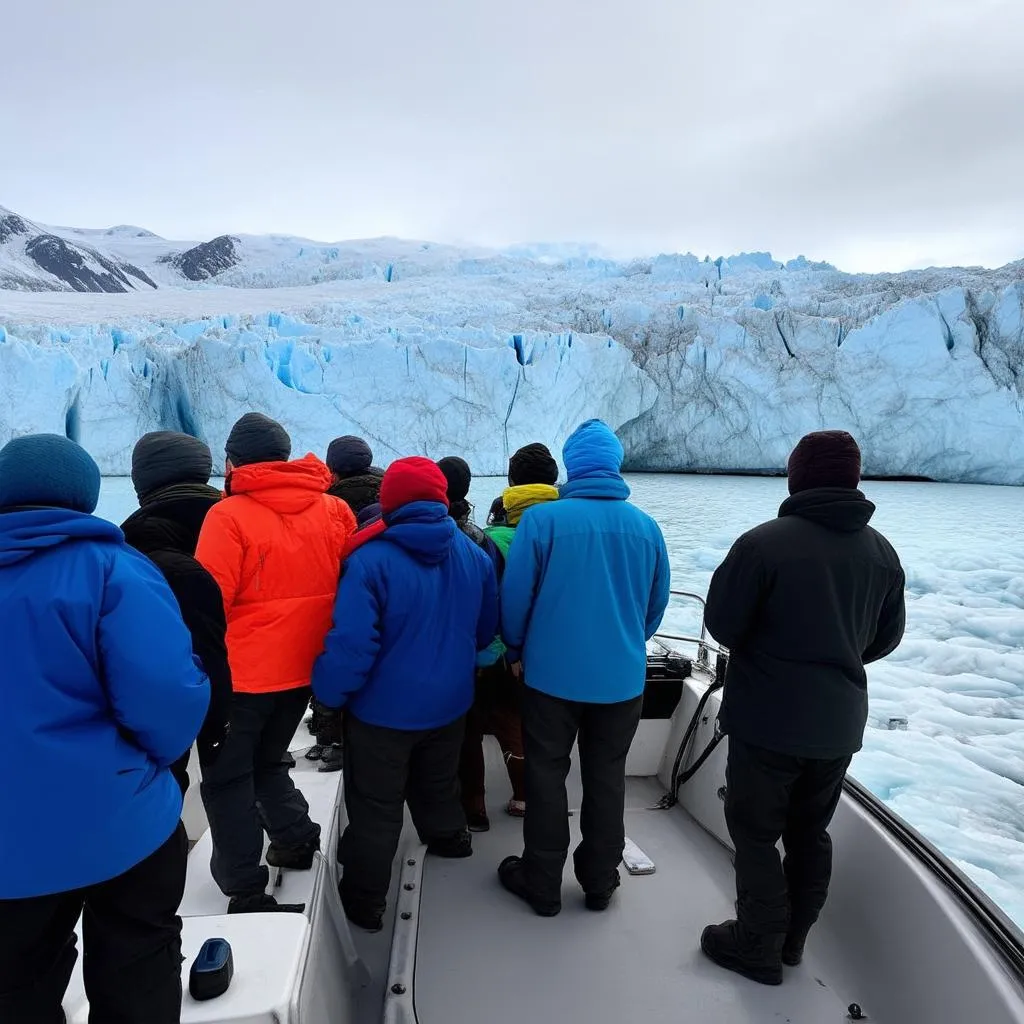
416,601
796,677
803,603
274,546
586,584
100,695
170,472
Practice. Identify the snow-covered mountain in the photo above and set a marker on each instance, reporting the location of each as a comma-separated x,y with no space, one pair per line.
699,364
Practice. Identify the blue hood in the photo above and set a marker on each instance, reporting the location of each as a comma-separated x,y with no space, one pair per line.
593,457
28,531
423,529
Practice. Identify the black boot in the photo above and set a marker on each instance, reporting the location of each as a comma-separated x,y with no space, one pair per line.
452,847
261,903
512,874
600,900
295,858
315,752
733,947
330,758
361,913
478,821
793,947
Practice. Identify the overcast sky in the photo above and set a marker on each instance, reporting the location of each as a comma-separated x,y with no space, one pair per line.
878,134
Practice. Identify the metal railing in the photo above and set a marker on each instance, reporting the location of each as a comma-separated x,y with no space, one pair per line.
706,646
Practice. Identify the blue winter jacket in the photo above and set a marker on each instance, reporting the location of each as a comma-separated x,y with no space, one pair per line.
586,584
414,606
99,694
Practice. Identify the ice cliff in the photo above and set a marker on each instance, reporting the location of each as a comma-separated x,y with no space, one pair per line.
699,364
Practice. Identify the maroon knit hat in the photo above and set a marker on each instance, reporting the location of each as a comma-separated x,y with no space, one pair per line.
826,458
412,479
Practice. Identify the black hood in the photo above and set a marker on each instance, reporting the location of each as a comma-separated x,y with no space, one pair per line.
837,508
170,525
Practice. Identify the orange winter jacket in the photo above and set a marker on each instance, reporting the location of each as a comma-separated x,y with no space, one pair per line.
274,547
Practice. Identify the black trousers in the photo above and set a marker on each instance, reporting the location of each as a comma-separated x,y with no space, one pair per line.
248,789
605,733
384,770
132,938
771,796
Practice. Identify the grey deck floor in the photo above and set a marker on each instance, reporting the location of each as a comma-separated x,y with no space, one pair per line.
483,956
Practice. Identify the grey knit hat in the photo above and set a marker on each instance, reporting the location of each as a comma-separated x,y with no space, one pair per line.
257,438
50,471
165,457
348,456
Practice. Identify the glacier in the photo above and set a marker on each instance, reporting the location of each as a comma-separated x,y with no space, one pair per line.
700,365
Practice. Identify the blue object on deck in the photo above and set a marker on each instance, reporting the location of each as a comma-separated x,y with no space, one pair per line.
211,970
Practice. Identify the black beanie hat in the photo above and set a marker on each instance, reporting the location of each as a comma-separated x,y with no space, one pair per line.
165,457
348,456
457,473
826,458
257,438
532,464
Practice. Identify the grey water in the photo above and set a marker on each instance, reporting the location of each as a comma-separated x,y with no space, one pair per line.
956,771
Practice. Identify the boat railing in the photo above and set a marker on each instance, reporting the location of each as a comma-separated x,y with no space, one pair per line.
706,646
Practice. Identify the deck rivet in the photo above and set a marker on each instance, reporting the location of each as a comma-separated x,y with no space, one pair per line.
855,1012
409,886
411,862
406,916
398,989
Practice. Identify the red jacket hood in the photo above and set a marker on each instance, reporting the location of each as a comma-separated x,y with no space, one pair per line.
285,487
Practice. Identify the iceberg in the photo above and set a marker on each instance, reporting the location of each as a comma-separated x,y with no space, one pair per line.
701,365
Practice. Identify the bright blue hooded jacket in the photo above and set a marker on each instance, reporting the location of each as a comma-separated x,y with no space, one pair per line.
414,605
586,581
99,694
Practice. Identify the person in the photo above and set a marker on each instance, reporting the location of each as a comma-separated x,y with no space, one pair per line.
274,547
586,585
171,474
496,513
532,473
355,479
357,482
803,602
458,476
416,601
100,695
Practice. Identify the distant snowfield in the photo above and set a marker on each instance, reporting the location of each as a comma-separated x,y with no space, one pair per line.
699,365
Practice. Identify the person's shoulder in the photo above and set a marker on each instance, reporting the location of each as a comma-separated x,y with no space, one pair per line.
884,546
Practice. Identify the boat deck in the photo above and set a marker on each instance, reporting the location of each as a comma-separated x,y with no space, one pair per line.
482,955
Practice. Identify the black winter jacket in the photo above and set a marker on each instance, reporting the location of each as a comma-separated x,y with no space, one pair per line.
166,531
360,490
804,602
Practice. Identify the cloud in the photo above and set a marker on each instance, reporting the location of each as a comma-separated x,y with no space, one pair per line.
857,130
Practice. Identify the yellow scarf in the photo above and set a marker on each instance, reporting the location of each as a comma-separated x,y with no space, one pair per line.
518,499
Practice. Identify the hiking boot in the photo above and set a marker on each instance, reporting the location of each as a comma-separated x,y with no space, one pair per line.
295,858
452,847
599,901
261,903
793,948
360,913
512,874
330,758
757,957
477,821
